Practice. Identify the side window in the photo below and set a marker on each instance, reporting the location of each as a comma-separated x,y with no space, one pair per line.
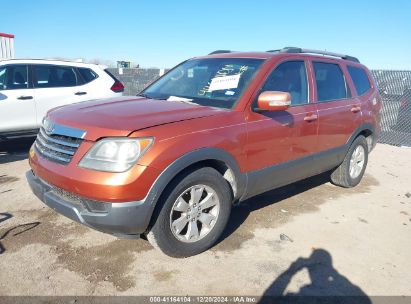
88,75
2,78
360,79
330,81
13,77
291,77
51,76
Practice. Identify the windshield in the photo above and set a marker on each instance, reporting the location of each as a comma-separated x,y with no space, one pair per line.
215,82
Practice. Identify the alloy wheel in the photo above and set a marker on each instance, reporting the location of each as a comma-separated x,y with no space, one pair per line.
357,162
194,213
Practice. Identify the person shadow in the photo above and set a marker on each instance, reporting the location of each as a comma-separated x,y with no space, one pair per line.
327,285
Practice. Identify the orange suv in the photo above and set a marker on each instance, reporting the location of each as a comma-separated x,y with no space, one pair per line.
215,130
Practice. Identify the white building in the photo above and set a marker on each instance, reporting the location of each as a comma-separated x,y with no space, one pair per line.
6,46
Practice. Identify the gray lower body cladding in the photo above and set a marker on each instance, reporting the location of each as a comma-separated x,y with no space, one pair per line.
126,218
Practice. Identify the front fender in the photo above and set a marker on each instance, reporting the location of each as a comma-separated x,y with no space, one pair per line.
196,156
185,161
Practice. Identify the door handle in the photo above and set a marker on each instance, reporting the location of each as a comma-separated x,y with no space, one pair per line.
80,93
25,97
355,109
310,118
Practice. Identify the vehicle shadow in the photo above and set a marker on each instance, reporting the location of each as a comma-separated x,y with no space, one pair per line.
327,284
241,212
19,229
15,149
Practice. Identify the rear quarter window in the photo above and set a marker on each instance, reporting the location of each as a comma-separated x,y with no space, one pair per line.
88,75
360,79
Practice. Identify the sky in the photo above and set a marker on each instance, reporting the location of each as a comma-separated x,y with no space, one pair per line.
163,33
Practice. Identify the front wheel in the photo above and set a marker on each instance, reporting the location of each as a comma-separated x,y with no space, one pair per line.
195,210
351,170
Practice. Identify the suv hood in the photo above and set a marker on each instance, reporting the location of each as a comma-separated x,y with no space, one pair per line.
123,115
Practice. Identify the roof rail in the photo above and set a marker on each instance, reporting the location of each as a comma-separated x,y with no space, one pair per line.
296,50
220,52
45,59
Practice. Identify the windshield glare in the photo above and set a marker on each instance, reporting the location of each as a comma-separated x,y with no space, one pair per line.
215,82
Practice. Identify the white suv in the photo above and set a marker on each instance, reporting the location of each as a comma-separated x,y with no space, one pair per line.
29,88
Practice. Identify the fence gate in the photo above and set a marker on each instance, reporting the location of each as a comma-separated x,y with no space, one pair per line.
6,46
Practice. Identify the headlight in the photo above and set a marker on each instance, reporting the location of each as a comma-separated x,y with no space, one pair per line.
115,154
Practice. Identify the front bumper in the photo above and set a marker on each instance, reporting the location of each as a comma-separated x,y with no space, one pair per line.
122,219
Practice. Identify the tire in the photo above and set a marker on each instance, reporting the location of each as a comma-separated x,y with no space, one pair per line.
341,176
163,233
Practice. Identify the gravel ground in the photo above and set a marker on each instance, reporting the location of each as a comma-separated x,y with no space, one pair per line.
309,238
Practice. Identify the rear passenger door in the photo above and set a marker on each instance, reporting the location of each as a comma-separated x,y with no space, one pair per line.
55,86
339,113
366,98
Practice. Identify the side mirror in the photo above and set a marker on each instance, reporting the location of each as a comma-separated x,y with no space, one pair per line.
273,101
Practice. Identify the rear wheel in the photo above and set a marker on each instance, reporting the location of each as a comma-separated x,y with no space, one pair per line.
195,210
352,169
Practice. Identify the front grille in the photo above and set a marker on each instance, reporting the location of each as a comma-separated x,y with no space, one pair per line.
90,205
55,147
67,196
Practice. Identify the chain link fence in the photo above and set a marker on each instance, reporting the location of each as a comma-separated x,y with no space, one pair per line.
135,80
395,90
394,87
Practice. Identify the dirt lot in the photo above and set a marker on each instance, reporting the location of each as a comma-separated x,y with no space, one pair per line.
307,238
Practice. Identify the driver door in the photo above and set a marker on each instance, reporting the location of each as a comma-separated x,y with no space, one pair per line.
17,107
279,142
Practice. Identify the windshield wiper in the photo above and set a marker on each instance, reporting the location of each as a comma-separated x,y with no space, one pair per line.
143,95
149,97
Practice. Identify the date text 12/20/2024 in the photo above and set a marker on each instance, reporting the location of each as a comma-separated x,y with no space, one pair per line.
203,299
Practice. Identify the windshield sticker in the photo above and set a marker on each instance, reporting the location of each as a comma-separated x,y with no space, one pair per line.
176,98
229,93
224,71
190,73
224,83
